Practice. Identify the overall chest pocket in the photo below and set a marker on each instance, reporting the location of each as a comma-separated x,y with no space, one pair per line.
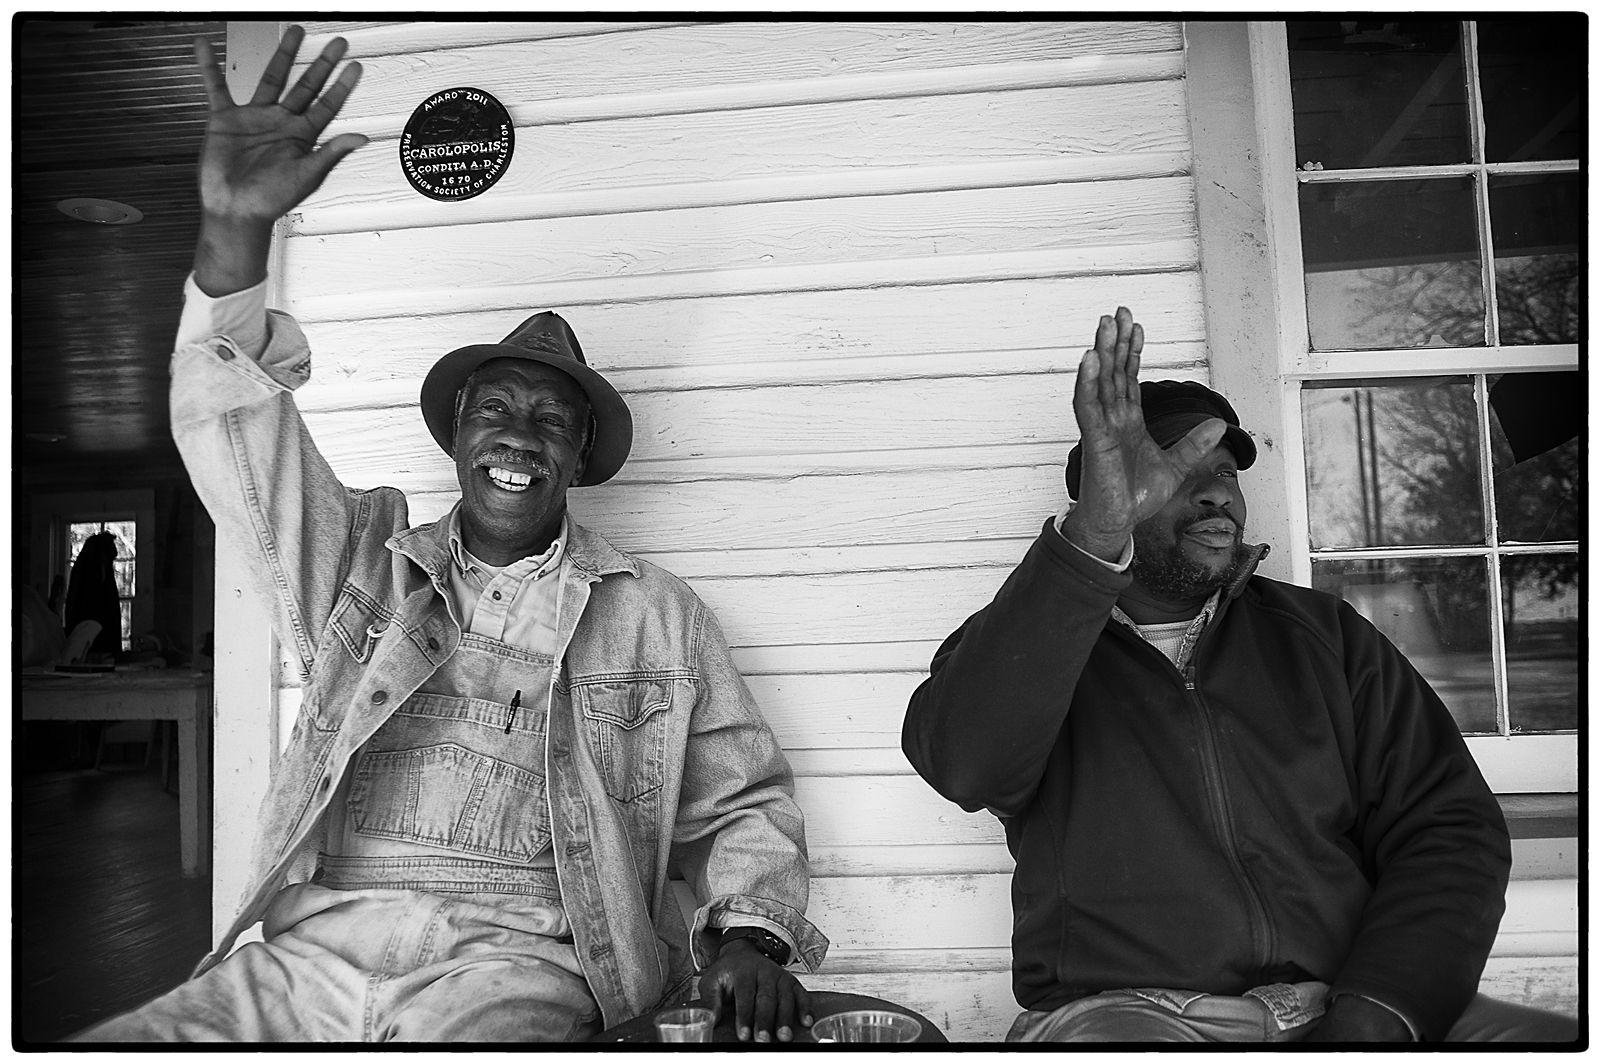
446,795
627,726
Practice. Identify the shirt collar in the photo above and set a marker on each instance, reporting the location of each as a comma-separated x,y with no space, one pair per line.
466,563
1200,620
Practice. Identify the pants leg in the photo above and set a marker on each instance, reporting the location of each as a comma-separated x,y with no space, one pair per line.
1488,1020
380,965
1283,1014
286,990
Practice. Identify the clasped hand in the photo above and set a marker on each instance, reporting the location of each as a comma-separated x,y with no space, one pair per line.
768,1002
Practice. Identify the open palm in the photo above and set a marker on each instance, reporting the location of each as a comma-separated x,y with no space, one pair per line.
260,160
1127,477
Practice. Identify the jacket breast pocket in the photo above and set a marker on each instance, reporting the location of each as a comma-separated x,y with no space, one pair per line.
449,796
627,726
358,623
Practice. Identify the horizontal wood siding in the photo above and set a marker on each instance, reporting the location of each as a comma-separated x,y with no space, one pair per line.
843,273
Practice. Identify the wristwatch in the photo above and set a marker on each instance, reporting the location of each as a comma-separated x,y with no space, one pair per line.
766,943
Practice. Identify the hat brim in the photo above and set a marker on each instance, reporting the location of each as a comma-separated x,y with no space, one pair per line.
1168,429
613,433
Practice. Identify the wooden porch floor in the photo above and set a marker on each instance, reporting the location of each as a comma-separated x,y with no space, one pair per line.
102,918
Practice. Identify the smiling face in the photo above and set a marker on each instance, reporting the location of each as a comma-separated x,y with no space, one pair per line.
520,442
1195,543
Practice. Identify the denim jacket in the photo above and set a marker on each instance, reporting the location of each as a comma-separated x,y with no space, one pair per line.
657,759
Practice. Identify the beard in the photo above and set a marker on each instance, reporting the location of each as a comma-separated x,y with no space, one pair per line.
1164,569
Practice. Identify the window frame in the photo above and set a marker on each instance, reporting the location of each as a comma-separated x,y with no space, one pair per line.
52,513
1247,185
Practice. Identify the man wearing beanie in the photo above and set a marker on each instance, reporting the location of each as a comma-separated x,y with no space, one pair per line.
1238,813
510,730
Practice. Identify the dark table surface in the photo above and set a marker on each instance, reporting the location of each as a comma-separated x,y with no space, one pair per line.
823,1003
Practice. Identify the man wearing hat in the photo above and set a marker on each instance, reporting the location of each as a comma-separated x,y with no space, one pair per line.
511,732
1237,812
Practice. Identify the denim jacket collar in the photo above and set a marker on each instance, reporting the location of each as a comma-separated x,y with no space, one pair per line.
429,547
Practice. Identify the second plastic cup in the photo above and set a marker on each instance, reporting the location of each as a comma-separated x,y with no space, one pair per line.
866,1025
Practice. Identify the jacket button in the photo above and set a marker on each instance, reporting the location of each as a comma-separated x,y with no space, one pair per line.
433,644
224,352
327,781
497,596
379,697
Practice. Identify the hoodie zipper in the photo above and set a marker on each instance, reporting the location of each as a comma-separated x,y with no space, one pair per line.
1217,793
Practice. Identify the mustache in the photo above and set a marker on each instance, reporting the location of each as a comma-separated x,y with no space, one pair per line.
504,456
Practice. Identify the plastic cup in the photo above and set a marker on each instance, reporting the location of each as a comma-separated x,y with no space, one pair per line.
866,1025
685,1025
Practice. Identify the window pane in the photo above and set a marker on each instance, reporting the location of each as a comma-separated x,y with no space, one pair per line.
1436,610
1541,606
1537,224
1391,264
1370,92
1393,464
1534,421
1533,87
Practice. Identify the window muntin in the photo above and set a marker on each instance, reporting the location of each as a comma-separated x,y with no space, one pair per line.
1446,508
1401,529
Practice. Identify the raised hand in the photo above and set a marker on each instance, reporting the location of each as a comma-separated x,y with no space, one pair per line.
1126,476
260,160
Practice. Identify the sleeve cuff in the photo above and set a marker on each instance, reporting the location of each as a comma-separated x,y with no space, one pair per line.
240,316
806,944
1118,566
1415,1036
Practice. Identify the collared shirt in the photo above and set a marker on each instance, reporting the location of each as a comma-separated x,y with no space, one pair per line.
515,604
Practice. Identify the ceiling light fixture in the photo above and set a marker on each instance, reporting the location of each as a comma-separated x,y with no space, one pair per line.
100,211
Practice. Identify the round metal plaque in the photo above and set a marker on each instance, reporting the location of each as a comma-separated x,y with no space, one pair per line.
457,144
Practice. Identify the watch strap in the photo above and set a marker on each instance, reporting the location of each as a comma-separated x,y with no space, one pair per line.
766,943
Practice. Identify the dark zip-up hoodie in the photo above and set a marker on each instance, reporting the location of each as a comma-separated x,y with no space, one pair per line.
1296,804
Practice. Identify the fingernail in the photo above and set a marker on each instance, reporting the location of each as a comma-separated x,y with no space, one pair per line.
744,1034
806,1019
763,1037
784,1034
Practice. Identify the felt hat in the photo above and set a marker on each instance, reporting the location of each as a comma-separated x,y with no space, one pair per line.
1171,409
546,338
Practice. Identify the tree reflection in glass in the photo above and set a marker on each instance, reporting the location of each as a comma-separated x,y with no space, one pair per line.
1537,223
1436,611
1391,264
1393,464
1541,599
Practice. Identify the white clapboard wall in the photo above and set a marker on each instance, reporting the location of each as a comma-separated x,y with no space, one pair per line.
843,273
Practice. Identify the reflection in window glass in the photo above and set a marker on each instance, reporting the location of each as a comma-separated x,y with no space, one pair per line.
1532,72
1393,464
1391,264
1436,611
1534,422
1537,222
1540,593
1372,92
